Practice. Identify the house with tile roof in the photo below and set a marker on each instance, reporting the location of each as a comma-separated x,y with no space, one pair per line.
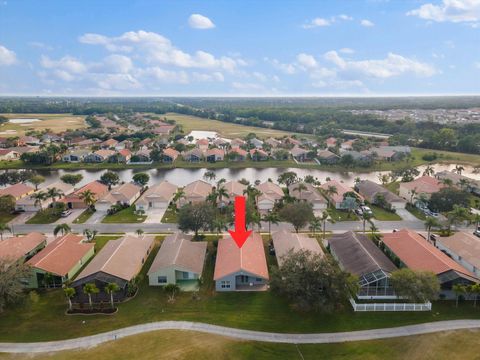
358,255
59,261
327,157
17,191
99,156
464,248
157,196
285,242
194,155
309,193
233,188
413,251
258,155
74,200
18,249
27,203
337,199
241,269
424,186
371,192
179,261
237,154
119,262
270,194
169,155
124,194
195,192
214,155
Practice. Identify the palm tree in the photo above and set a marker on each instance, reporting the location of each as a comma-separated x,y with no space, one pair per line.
413,193
3,228
475,290
53,193
219,225
88,198
63,228
110,289
459,290
464,184
252,192
447,182
213,197
222,193
459,169
171,290
180,194
315,224
324,219
457,215
90,234
300,187
475,219
430,222
373,230
429,171
384,178
139,232
89,289
366,217
38,198
209,175
69,294
330,191
272,218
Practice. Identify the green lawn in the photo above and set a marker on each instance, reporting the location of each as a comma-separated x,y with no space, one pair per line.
101,240
393,186
125,216
45,319
170,216
84,216
5,217
341,215
45,216
384,215
193,345
416,212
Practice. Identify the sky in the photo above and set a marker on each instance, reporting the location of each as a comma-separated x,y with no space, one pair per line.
239,48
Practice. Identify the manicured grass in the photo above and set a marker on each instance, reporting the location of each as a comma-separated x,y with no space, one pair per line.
341,215
393,186
170,216
226,129
416,212
192,345
55,122
84,216
384,215
125,216
101,240
45,216
5,217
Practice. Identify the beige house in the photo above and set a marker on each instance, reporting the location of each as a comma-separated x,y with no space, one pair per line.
195,192
118,262
179,261
233,188
284,241
309,194
157,196
17,191
424,186
270,194
27,203
125,194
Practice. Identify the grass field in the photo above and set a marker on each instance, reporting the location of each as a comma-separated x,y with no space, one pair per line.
84,216
416,212
384,215
170,216
265,311
125,216
228,130
341,215
55,122
191,345
45,216
5,217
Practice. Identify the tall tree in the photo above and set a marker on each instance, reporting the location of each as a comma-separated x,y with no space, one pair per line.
418,286
39,197
141,179
37,180
288,178
4,227
72,179
298,214
69,294
430,223
110,179
11,282
270,217
90,289
195,217
459,290
111,289
88,197
209,175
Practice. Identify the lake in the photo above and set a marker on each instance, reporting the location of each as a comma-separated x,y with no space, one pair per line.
182,177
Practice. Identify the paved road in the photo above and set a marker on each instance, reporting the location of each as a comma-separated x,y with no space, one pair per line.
320,338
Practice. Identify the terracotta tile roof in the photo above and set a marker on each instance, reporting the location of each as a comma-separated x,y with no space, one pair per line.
163,191
123,193
463,244
15,248
238,151
105,153
249,258
95,187
202,142
341,190
418,254
260,152
284,241
424,184
125,152
110,142
358,255
5,151
17,190
215,151
61,255
309,194
331,141
179,251
234,188
270,191
122,258
171,153
197,188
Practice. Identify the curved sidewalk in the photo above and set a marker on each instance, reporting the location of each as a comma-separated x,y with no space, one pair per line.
320,338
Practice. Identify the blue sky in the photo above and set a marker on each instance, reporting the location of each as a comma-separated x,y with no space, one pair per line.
207,48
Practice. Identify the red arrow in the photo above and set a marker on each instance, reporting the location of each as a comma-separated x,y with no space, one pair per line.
240,234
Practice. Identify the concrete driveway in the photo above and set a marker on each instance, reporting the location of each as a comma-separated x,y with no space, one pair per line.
406,215
69,219
96,217
22,218
154,216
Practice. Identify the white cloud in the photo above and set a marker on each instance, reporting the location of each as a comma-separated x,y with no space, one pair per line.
347,51
288,69
455,11
158,49
317,22
66,63
7,57
366,23
118,64
118,82
167,76
214,77
201,22
306,60
345,17
392,65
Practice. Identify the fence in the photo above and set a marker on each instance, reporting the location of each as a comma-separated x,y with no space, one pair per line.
391,306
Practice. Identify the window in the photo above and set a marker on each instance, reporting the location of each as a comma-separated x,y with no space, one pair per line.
162,279
258,279
225,284
185,275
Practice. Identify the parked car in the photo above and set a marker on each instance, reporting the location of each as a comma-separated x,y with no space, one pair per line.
477,232
366,210
66,213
